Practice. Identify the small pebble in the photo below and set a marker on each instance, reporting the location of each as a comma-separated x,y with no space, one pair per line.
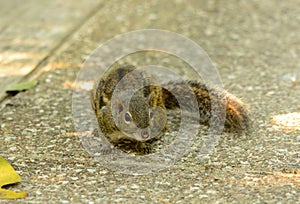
38,192
74,178
65,182
134,186
91,170
118,190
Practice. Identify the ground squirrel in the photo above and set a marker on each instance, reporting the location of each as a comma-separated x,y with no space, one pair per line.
142,117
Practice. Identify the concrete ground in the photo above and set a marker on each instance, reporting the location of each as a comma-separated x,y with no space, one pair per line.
255,46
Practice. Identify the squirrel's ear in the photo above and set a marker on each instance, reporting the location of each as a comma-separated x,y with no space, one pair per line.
119,106
150,99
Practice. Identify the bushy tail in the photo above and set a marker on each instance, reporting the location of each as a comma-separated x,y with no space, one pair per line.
237,115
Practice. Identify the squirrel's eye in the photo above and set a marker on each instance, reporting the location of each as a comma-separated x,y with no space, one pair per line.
151,114
127,117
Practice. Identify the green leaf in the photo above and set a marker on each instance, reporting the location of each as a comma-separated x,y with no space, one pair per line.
22,86
9,176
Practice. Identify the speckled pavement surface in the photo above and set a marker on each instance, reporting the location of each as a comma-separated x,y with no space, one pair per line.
255,45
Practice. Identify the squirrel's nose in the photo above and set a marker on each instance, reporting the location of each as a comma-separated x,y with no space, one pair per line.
145,134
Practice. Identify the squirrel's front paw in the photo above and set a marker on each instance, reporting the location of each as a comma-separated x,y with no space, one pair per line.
143,148
95,146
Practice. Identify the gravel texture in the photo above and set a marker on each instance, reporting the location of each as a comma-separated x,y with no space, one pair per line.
255,45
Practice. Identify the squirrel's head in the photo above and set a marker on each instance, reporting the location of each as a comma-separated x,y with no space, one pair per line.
139,120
